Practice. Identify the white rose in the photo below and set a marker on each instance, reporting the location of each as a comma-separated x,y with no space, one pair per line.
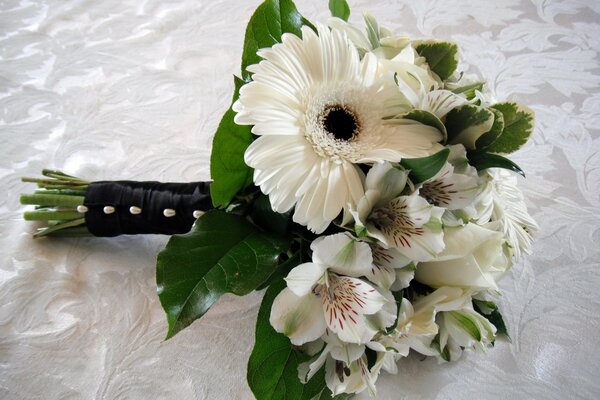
474,257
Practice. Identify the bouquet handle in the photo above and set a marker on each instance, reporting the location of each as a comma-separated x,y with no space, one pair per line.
70,206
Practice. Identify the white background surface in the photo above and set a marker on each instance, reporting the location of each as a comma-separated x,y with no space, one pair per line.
134,90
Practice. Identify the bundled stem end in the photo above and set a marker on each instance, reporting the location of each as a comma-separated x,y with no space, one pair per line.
56,202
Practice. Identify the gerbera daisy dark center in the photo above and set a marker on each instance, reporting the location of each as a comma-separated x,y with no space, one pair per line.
340,122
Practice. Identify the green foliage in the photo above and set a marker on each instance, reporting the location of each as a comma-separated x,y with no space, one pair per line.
490,136
442,57
518,127
224,253
483,161
273,364
424,168
228,170
429,119
340,9
467,123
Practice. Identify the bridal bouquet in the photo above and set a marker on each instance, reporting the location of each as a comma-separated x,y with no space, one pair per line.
358,177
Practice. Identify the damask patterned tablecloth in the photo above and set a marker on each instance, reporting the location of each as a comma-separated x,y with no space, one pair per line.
135,89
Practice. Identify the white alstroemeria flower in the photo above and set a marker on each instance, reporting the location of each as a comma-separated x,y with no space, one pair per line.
407,223
463,329
319,110
455,186
417,326
502,207
317,298
372,38
475,257
419,89
390,268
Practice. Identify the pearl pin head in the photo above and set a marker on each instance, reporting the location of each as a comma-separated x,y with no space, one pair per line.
169,212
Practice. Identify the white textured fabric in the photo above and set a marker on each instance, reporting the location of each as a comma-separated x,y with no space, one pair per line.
134,90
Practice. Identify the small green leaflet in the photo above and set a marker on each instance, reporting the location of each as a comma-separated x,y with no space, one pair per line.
273,364
424,168
429,119
340,9
518,127
224,253
467,123
269,22
442,57
229,172
483,161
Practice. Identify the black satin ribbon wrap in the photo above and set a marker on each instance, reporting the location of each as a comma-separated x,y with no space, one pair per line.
152,198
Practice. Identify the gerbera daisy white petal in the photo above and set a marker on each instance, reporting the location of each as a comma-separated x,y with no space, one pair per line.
318,110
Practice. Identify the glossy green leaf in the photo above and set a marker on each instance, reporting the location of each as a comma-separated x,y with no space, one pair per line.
429,119
424,168
467,123
340,9
269,22
490,136
273,365
223,253
228,170
483,161
442,57
263,215
518,127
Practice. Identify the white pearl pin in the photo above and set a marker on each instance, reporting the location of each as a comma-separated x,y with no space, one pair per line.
135,210
82,209
169,212
197,214
108,210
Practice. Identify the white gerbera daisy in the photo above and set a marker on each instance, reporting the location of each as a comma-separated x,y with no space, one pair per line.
319,110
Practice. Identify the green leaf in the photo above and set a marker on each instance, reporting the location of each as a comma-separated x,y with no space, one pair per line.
272,221
429,119
491,312
518,127
483,161
424,168
282,270
467,123
269,22
273,365
442,57
340,9
489,137
224,253
228,169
